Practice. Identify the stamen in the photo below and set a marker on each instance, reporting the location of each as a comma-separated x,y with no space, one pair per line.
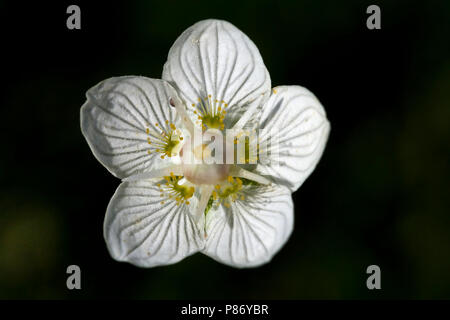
166,142
173,190
230,190
210,113
205,194
181,109
242,173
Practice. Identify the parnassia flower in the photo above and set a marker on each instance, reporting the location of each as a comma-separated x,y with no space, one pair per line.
166,207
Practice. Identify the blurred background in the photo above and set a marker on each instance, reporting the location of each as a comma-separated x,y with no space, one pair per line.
380,195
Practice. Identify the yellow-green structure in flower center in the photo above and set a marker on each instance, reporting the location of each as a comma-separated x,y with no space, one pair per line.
210,113
228,191
166,142
172,189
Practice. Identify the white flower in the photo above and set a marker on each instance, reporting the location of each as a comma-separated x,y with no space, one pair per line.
166,209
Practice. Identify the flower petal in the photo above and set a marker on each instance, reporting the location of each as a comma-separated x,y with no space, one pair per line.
251,231
296,123
140,230
119,117
213,57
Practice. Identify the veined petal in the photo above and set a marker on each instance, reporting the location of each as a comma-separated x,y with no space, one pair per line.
157,173
213,63
252,230
123,120
295,123
145,232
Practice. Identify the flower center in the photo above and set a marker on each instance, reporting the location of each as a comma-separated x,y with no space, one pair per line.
207,170
166,142
172,189
210,113
206,173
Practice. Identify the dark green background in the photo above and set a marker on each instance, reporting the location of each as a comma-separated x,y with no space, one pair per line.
380,195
